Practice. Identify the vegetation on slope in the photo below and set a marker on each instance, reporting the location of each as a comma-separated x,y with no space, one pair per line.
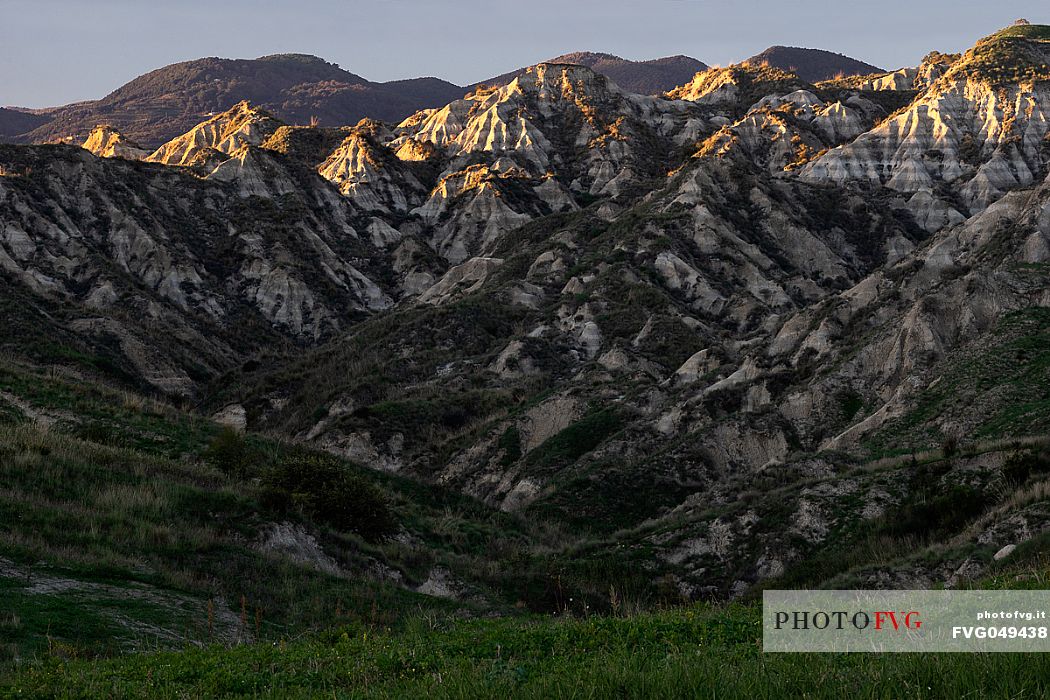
168,101
106,498
700,652
216,537
1035,32
643,77
107,549
812,65
997,389
14,123
1017,54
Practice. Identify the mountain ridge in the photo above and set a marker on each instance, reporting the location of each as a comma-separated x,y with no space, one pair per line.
300,88
166,102
813,65
648,77
14,122
721,332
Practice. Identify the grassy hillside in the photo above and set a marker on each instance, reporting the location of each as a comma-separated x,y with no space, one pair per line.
998,388
1036,32
107,498
128,525
699,652
1016,54
89,529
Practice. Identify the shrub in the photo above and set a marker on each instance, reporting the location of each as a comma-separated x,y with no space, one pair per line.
231,453
950,446
510,443
851,404
322,489
938,515
1021,466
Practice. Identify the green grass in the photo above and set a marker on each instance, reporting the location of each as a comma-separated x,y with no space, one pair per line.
146,538
117,495
120,492
10,414
92,516
699,652
851,404
1011,56
1037,32
577,440
1004,383
103,415
80,617
510,443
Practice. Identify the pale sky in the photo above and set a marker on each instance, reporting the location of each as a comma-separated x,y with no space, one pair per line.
54,52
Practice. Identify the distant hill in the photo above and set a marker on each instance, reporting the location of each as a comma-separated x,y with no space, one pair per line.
296,88
644,77
14,122
813,65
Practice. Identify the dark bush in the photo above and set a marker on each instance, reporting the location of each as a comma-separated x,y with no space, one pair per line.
1021,466
322,489
455,417
510,443
9,415
950,446
938,515
851,404
232,454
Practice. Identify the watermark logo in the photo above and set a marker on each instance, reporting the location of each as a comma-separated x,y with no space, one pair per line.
905,621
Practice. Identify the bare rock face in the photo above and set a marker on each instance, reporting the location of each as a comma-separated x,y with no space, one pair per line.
295,543
183,253
785,131
460,280
700,364
920,320
441,584
226,133
367,172
679,276
1005,552
468,210
641,77
233,416
898,81
504,156
739,85
962,136
968,132
254,173
106,142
